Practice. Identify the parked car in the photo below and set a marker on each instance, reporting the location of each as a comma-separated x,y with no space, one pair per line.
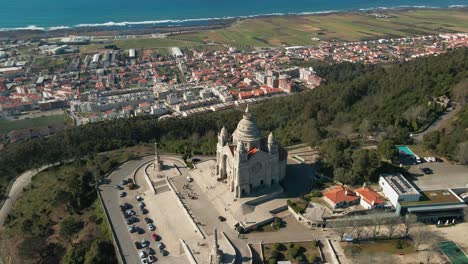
124,182
145,261
130,212
145,243
426,170
142,205
155,237
160,245
195,159
118,187
148,220
144,211
221,218
150,251
139,198
142,254
123,194
137,245
164,252
151,258
151,227
131,229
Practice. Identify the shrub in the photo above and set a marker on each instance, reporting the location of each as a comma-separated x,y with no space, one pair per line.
272,261
276,246
299,258
293,252
275,254
316,193
313,259
315,243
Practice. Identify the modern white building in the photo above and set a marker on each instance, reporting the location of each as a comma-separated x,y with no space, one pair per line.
397,188
131,53
176,52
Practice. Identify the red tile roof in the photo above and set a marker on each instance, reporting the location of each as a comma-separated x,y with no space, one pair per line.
340,194
370,196
252,152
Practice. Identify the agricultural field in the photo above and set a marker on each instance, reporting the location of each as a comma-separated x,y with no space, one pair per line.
301,30
9,125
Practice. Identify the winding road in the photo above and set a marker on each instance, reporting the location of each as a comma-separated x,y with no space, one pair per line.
16,190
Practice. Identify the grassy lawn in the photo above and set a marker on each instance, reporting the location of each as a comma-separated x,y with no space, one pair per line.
391,246
299,30
10,125
293,252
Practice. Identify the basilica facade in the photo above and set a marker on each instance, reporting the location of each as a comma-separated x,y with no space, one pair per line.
246,161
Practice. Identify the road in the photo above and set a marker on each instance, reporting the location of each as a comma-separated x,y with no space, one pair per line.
440,122
16,190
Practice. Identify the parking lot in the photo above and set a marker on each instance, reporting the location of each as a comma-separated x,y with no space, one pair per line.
444,175
126,239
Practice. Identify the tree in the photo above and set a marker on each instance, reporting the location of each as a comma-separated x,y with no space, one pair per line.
462,153
32,247
376,223
341,227
392,226
69,227
358,229
431,139
420,233
408,223
387,149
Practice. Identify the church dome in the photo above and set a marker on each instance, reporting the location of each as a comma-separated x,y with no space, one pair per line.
247,130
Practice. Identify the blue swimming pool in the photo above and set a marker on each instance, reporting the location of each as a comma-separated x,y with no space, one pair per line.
405,150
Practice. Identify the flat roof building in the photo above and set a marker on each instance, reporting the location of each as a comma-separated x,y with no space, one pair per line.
398,188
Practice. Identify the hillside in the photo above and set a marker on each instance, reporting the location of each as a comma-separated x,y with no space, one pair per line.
387,101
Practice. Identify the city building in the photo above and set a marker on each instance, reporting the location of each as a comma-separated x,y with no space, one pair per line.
172,99
248,162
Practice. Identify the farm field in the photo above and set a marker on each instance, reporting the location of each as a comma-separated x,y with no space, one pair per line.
302,30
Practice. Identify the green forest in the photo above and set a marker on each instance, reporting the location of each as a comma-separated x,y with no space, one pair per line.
359,102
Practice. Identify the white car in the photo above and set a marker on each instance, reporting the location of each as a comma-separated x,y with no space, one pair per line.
144,243
145,261
142,254
151,227
151,258
139,198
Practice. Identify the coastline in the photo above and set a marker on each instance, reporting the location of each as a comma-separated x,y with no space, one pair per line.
182,26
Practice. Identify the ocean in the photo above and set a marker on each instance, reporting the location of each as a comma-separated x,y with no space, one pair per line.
58,14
